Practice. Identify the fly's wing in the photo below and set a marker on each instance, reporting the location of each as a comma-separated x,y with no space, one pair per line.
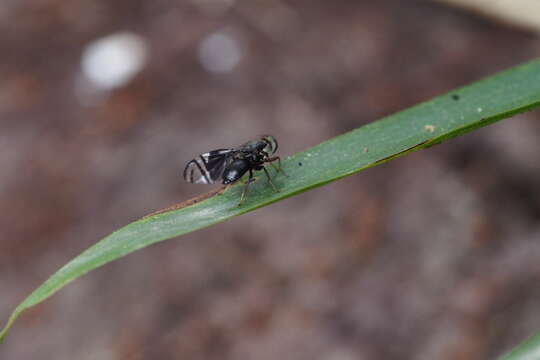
207,168
217,161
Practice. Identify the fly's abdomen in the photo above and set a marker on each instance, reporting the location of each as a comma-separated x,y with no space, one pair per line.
235,171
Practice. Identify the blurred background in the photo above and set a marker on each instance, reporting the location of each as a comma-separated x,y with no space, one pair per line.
432,256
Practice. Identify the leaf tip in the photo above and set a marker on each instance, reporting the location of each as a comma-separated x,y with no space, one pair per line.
9,324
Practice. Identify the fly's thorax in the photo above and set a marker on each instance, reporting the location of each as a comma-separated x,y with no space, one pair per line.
255,145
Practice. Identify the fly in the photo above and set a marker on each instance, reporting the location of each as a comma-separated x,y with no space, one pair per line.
230,165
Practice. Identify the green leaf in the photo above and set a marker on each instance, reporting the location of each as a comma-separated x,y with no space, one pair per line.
429,123
529,350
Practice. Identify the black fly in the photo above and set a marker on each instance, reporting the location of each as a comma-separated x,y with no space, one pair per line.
229,165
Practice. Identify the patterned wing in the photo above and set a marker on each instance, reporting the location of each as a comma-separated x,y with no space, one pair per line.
207,168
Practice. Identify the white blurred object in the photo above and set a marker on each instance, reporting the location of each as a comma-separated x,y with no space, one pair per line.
113,60
523,13
219,53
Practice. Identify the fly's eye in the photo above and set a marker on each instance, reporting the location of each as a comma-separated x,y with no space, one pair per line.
271,144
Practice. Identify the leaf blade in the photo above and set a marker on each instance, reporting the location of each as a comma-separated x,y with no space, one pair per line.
424,125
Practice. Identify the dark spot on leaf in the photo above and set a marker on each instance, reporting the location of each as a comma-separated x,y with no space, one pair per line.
299,164
455,97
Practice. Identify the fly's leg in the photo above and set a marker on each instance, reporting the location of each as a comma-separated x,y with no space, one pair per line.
278,168
270,179
246,187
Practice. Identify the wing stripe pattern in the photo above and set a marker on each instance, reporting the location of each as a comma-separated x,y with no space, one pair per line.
207,167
